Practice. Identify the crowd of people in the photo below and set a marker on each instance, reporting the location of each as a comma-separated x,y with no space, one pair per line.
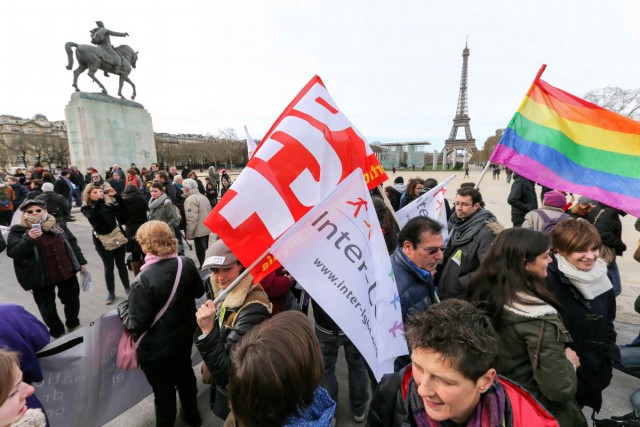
503,324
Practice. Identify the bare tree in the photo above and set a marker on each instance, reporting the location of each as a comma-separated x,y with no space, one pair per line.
625,102
490,145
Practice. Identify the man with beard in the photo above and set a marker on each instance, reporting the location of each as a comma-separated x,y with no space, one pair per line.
472,230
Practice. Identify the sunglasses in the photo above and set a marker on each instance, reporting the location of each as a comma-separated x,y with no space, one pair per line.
432,250
32,211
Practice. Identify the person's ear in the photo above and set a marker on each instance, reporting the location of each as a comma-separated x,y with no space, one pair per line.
486,380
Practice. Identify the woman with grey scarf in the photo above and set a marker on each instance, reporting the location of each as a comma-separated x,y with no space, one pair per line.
161,208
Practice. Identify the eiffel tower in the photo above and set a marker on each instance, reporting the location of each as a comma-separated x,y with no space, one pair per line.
461,120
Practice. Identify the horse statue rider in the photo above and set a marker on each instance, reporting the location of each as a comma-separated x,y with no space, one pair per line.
101,55
106,52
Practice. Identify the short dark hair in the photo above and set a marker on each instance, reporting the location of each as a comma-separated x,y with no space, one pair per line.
413,229
430,183
461,333
275,370
475,195
163,175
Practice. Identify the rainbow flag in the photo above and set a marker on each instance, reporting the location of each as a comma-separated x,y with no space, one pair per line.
564,142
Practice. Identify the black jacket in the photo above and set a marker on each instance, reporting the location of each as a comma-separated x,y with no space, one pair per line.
245,307
609,227
132,212
20,192
28,260
590,323
56,205
522,198
150,291
102,218
62,188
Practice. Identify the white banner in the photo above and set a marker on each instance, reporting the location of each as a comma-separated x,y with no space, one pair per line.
338,254
82,385
430,204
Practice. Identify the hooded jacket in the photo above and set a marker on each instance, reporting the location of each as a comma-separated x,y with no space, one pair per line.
196,210
532,342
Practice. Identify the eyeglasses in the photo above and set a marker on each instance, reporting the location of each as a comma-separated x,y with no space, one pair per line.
432,250
32,211
463,204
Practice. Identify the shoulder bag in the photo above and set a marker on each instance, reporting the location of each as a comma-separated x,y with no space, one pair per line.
113,240
127,356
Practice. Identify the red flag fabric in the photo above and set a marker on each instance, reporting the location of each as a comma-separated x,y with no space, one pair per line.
307,152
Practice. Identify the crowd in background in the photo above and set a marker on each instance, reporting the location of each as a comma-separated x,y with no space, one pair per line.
544,289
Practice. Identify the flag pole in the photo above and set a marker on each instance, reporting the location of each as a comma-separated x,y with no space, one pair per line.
242,275
484,171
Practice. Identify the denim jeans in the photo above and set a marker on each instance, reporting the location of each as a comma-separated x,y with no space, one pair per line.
630,359
613,273
358,378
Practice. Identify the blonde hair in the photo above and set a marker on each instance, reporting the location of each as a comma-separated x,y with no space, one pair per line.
8,363
158,238
87,192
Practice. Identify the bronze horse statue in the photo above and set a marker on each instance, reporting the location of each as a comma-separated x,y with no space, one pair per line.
88,58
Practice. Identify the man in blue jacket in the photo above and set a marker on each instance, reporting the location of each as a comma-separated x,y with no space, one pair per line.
420,247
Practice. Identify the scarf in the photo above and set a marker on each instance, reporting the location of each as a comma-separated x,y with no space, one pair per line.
422,272
155,203
46,221
463,231
489,411
152,259
591,283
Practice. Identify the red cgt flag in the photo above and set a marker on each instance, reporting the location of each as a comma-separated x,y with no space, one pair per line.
307,152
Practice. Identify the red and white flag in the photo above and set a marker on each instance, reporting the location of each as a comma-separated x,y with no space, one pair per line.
308,151
338,254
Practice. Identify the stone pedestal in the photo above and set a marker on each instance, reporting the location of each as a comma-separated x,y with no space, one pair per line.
103,130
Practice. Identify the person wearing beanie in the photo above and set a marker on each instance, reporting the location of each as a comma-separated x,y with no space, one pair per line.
545,218
56,204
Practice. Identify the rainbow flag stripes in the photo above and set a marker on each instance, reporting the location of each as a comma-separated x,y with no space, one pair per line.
564,142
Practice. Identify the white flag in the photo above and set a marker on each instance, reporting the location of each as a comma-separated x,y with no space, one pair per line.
251,144
338,254
430,204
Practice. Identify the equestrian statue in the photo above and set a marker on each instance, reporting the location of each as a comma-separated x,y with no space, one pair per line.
103,56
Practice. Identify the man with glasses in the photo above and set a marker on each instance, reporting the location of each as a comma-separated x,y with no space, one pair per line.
471,232
420,246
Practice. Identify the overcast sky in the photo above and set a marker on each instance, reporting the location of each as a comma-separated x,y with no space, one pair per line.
392,66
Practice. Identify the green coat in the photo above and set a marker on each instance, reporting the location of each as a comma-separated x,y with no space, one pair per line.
532,342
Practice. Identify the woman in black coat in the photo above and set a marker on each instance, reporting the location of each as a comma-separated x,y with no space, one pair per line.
578,279
46,256
102,218
164,353
132,214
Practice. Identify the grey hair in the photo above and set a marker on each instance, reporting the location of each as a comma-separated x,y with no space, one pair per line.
191,184
177,178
